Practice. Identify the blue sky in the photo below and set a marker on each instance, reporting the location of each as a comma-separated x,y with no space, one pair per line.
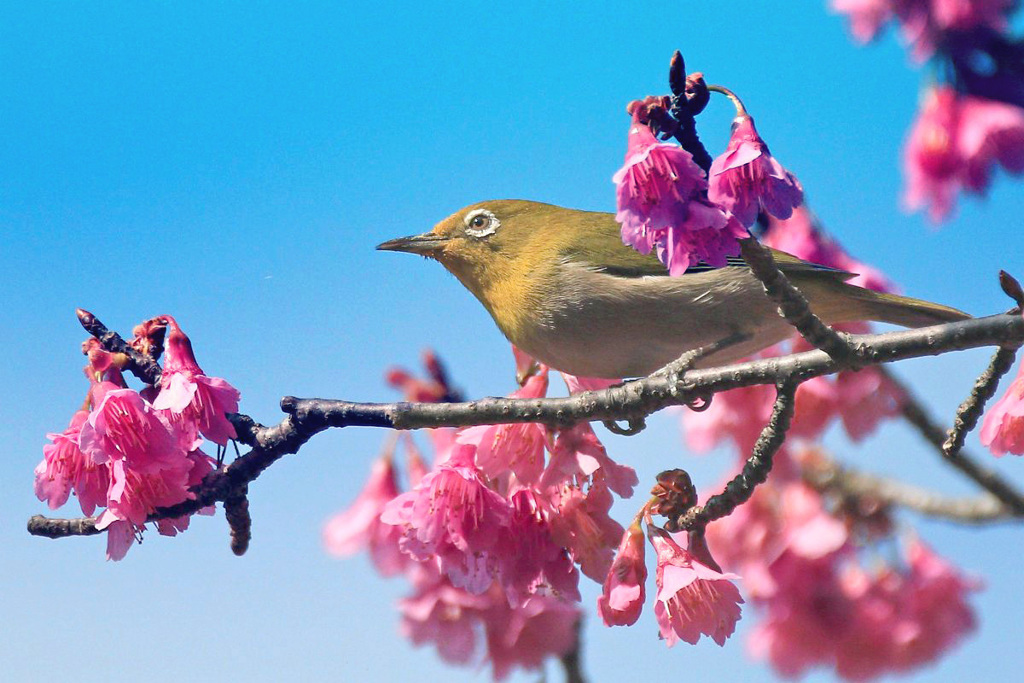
234,164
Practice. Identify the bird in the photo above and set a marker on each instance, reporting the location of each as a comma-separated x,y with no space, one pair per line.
562,287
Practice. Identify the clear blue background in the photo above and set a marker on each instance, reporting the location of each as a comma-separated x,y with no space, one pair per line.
234,164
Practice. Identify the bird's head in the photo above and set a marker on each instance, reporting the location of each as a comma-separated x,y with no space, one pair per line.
493,244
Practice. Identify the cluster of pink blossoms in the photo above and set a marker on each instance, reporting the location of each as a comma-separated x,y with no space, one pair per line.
923,23
827,600
969,127
955,144
666,202
803,556
132,452
494,536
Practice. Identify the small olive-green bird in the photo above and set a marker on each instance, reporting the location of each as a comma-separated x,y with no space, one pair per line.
563,287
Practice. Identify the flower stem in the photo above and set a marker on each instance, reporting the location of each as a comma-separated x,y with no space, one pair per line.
722,90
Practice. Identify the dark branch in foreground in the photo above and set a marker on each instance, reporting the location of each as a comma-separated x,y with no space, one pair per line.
792,304
139,364
970,411
307,417
755,470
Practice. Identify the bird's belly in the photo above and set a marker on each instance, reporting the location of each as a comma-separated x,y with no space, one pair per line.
645,323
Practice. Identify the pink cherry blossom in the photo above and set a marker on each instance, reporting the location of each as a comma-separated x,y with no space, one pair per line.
955,143
132,495
866,16
623,593
583,526
518,448
452,515
662,206
442,614
124,427
189,395
1002,430
577,454
65,468
747,178
693,599
530,560
360,527
524,636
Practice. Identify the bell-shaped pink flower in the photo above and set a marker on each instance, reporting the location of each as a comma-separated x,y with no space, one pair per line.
577,454
622,598
66,468
124,427
662,205
452,515
747,178
189,395
360,527
1002,430
693,599
517,447
955,143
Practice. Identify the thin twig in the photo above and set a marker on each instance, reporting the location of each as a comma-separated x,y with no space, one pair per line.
914,412
572,661
793,305
755,470
970,411
139,364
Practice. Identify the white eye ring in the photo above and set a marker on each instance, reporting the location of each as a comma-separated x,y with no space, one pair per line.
492,223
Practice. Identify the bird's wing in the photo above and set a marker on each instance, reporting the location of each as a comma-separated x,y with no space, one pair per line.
600,247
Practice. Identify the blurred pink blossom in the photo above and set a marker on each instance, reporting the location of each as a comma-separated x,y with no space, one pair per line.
191,398
955,143
360,527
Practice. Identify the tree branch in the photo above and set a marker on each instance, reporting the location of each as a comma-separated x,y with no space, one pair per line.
860,485
793,305
307,417
755,470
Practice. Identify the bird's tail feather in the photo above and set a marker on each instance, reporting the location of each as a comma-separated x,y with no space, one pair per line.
867,304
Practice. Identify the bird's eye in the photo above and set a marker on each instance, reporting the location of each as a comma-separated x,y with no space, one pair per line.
481,223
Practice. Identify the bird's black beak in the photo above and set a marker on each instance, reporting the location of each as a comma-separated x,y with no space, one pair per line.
424,244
